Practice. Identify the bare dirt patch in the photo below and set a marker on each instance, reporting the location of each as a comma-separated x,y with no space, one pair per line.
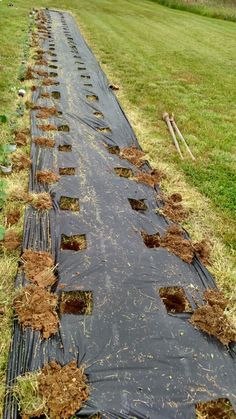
36,308
45,176
49,82
133,155
69,204
20,161
45,95
11,240
41,201
203,251
44,142
38,267
211,318
151,178
12,217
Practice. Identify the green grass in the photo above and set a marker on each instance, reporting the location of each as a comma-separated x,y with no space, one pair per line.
220,9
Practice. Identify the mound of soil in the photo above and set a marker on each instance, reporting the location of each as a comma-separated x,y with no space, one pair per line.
133,155
44,176
46,112
215,409
20,138
45,95
150,178
215,297
11,240
36,308
12,217
64,389
41,201
203,251
175,242
213,321
19,195
47,127
44,142
38,267
173,209
29,74
48,82
20,161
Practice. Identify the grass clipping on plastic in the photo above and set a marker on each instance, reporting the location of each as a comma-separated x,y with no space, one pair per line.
56,391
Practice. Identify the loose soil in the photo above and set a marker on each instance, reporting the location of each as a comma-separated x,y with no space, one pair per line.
175,242
41,201
133,155
47,127
173,209
11,240
64,389
215,409
20,161
45,95
49,82
203,251
19,195
45,176
38,268
36,308
46,112
175,300
20,138
150,178
44,142
211,318
12,217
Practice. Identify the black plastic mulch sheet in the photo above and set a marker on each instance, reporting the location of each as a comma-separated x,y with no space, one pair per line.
141,361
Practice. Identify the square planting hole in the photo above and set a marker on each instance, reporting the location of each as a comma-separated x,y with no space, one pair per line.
113,149
69,204
64,128
76,302
67,171
175,300
138,205
215,409
56,95
65,148
151,240
123,172
91,98
77,242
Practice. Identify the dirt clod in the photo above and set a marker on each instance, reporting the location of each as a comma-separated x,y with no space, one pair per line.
133,155
46,112
47,127
150,178
20,161
203,251
12,217
41,201
211,318
173,209
20,138
175,242
36,308
11,240
45,176
38,267
64,389
48,82
44,142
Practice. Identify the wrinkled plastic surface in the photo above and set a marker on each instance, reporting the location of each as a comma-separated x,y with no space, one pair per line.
141,361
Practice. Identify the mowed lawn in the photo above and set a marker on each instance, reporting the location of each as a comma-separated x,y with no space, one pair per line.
164,60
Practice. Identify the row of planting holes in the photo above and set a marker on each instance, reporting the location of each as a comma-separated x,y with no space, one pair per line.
74,50
81,302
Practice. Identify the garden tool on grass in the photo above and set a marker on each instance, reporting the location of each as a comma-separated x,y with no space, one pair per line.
166,118
173,123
